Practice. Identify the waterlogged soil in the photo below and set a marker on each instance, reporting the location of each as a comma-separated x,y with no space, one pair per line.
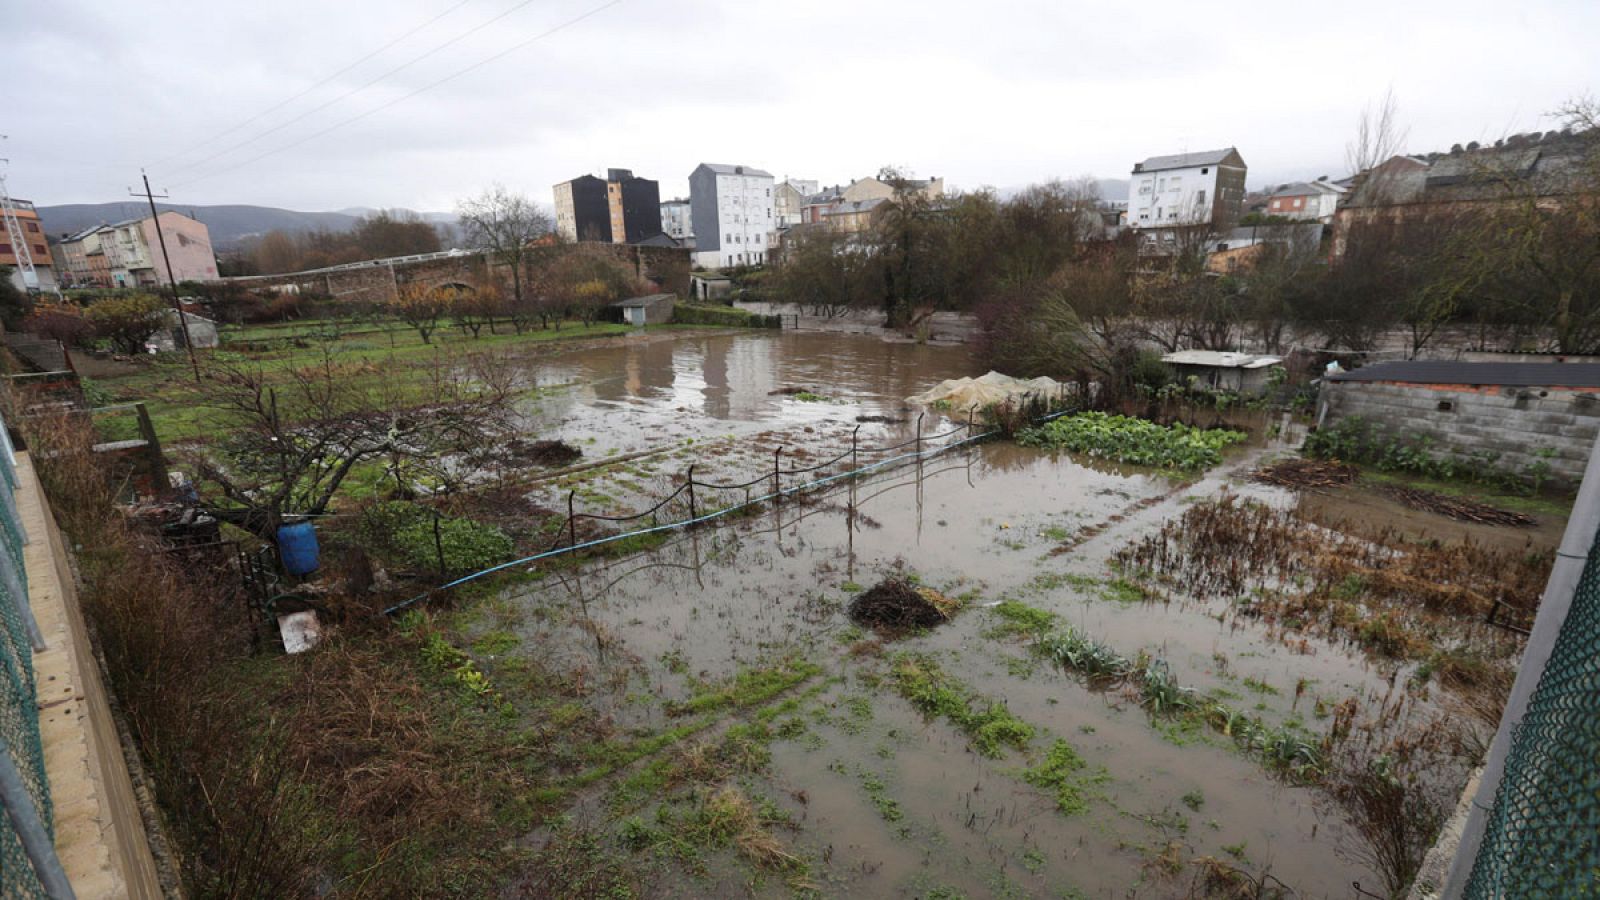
743,625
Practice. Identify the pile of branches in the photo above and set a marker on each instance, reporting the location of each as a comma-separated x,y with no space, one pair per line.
1306,474
895,605
1459,508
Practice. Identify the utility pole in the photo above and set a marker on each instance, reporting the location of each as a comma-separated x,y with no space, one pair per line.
177,304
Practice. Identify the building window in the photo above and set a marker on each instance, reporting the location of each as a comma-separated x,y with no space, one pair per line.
33,227
1199,198
1205,171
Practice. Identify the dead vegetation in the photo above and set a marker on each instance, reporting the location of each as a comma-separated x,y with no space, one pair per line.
1306,474
1459,508
895,606
1386,593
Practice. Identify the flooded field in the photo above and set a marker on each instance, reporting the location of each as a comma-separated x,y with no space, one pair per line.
745,737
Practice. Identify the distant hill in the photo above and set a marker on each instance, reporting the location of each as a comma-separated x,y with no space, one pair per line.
229,224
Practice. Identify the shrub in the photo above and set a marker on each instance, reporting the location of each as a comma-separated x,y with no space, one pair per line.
404,532
688,314
126,322
64,322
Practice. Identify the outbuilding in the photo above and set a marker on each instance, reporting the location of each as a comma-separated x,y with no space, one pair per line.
1523,414
652,309
1217,370
170,335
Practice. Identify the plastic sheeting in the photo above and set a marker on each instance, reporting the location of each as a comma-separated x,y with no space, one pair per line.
986,390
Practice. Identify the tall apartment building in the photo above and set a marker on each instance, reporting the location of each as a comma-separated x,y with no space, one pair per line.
732,208
1187,189
128,253
676,219
621,209
789,199
38,249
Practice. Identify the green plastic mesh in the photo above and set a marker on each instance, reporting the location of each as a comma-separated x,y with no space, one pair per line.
1543,834
19,707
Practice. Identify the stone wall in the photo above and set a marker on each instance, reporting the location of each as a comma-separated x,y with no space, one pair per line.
1516,423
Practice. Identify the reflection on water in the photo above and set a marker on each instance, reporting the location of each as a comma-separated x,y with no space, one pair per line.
671,389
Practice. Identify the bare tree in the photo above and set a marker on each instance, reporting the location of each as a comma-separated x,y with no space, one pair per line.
505,225
1378,137
290,439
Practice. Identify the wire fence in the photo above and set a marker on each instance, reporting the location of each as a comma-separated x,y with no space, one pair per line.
27,829
1542,838
690,495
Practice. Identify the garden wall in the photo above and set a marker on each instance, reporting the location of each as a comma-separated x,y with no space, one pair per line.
1515,422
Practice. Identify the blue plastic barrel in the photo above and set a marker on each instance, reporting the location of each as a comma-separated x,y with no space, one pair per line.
297,546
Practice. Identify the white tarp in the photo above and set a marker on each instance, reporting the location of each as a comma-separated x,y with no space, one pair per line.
985,390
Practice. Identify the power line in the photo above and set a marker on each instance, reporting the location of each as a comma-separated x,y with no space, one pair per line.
350,93
401,99
274,108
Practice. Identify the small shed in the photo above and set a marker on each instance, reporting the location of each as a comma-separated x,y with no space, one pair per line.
653,309
169,336
709,286
1217,370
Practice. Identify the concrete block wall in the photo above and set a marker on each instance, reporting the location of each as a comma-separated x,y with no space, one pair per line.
1514,422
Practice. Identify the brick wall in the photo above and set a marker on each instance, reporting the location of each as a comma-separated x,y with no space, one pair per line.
1513,422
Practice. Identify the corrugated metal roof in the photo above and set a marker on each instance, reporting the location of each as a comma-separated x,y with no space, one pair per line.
1220,359
1538,374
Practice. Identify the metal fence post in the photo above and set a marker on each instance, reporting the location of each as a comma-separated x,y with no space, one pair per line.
572,521
776,485
693,513
854,463
438,542
919,435
29,826
970,410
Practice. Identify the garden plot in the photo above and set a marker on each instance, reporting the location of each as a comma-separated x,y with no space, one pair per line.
1098,716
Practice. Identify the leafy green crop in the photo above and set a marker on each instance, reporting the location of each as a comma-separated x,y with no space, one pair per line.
1130,440
405,532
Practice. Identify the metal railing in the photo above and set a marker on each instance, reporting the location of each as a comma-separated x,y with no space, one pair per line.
28,863
769,486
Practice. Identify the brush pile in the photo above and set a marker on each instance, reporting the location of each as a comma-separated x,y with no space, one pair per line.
1459,508
895,605
1306,474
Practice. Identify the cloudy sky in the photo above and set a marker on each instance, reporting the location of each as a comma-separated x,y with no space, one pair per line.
287,104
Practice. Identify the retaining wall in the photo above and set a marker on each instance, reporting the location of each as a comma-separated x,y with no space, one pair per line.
1514,422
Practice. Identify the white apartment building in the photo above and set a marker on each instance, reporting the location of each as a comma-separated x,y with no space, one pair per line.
1205,188
732,211
676,220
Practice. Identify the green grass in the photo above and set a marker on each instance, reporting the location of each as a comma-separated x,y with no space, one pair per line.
1066,776
988,724
1020,619
1543,504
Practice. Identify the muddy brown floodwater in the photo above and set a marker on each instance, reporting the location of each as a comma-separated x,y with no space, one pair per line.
652,392
887,801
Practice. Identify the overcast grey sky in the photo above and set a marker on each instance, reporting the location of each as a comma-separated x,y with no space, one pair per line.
999,93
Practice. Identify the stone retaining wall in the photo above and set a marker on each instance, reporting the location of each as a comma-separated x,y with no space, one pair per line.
1516,423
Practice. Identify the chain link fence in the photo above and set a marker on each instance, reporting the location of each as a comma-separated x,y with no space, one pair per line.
19,707
1542,837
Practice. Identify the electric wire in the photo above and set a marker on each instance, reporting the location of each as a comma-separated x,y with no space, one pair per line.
337,99
281,104
594,11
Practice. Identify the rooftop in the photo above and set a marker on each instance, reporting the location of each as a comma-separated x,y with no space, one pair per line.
1531,374
1185,160
722,169
646,300
1220,359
